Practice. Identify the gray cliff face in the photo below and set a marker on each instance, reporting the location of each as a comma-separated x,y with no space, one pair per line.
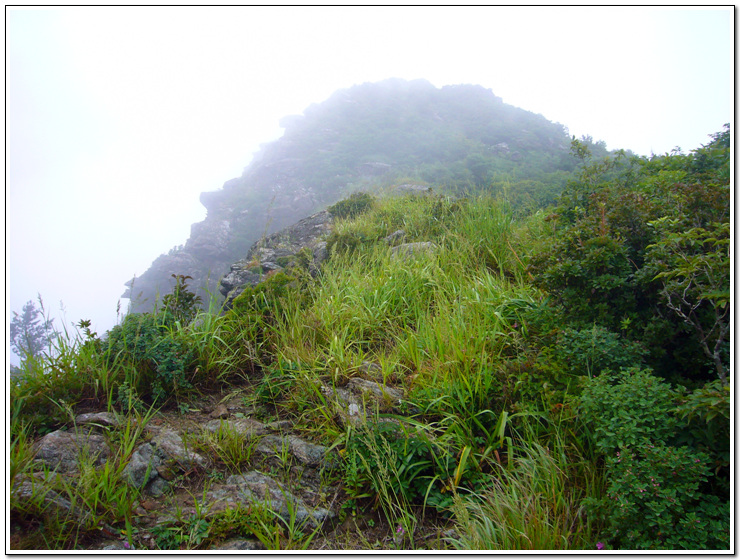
268,197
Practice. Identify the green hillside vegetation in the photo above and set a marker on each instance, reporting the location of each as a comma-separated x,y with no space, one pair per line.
565,371
458,137
370,136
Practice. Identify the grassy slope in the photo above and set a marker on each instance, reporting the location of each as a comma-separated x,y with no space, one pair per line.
446,327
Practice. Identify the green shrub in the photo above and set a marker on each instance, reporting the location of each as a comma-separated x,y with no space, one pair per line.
352,206
347,242
654,501
265,297
591,351
181,304
706,412
158,355
626,408
656,492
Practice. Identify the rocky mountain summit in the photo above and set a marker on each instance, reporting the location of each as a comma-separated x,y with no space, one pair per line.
366,137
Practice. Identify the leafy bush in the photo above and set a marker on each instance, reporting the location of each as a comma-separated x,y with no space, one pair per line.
591,351
654,501
181,304
655,491
266,296
160,358
352,206
626,408
347,242
706,412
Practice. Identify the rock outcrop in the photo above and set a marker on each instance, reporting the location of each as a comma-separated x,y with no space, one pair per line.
304,239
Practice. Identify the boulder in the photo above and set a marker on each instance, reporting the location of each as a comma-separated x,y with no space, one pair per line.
171,445
395,238
407,251
61,450
307,453
257,488
246,427
360,397
142,467
382,394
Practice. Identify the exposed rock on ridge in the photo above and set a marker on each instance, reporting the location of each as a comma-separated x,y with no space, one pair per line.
277,251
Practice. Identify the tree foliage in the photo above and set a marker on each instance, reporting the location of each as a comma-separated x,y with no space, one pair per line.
641,245
31,331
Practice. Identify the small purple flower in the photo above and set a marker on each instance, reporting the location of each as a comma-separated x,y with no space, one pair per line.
599,546
400,531
126,545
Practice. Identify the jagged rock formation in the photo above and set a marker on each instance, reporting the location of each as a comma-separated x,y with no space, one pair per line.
278,251
360,138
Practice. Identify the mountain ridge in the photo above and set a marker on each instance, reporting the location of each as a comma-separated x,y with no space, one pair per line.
361,137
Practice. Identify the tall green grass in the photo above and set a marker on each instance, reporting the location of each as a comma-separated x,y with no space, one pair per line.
532,504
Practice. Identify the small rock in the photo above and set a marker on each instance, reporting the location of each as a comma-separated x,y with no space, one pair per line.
241,544
220,412
307,453
158,486
395,237
378,391
113,545
143,460
254,484
409,250
371,369
270,266
171,444
150,505
100,418
278,425
246,427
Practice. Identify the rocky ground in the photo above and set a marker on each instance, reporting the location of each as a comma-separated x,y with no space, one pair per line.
182,481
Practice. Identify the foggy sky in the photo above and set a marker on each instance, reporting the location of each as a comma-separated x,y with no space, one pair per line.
119,117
